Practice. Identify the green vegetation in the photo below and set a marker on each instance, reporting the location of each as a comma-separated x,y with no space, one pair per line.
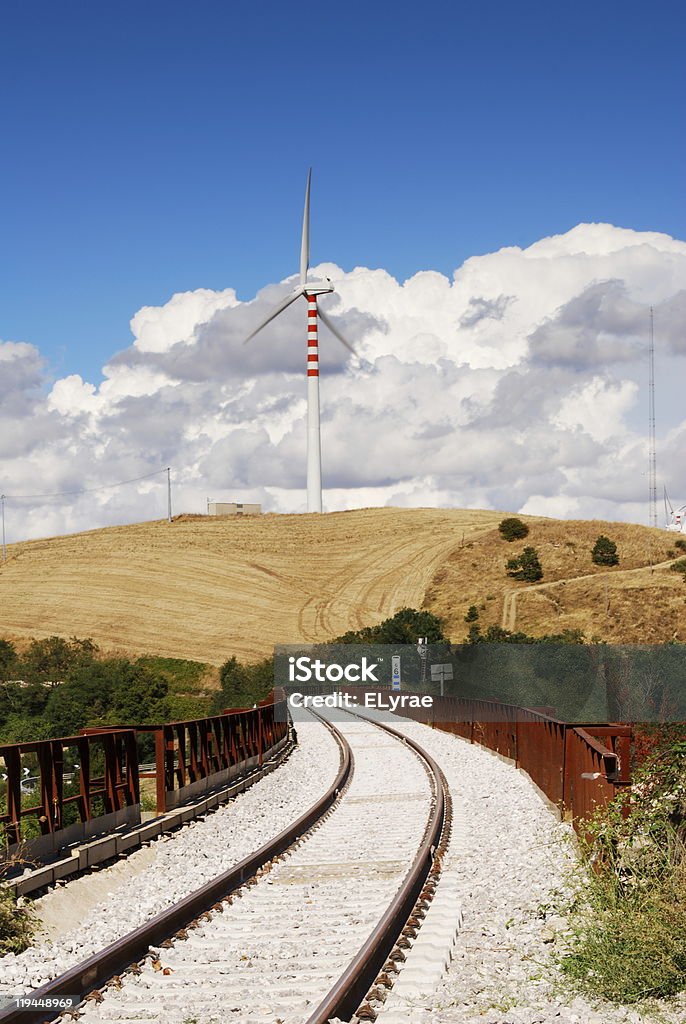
57,687
405,627
513,529
243,685
680,543
498,635
526,567
472,614
628,914
604,551
17,924
679,566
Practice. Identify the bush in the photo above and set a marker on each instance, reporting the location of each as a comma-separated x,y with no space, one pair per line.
628,915
680,543
513,529
527,567
17,924
605,551
472,614
679,566
405,627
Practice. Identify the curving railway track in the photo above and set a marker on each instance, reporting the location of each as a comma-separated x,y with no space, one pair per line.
312,926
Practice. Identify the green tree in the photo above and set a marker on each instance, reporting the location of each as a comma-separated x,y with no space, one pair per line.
243,685
405,627
8,660
110,692
513,529
605,551
526,567
472,614
51,659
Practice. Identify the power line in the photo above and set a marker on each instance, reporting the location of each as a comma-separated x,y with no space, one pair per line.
88,490
83,490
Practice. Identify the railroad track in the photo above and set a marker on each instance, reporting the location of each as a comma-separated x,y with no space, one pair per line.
308,928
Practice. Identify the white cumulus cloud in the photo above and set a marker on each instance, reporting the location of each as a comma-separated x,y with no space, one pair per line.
518,383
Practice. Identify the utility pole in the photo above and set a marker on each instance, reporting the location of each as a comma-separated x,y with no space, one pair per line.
652,454
169,507
4,545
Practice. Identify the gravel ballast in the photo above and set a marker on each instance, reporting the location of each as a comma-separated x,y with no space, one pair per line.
133,890
512,856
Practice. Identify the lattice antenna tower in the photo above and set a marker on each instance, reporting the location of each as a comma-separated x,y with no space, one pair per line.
652,450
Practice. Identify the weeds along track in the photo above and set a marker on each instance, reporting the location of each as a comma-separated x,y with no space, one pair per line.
302,930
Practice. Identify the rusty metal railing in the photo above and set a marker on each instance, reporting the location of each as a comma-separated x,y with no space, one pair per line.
196,755
65,790
576,765
193,756
104,766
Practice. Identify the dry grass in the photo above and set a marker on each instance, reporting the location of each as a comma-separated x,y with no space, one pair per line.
638,601
205,588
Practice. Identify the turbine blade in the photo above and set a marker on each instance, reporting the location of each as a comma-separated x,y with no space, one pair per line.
305,243
334,330
284,304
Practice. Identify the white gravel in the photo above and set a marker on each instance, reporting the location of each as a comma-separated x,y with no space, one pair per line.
513,854
154,877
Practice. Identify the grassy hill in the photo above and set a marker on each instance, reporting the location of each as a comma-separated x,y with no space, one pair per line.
204,588
639,601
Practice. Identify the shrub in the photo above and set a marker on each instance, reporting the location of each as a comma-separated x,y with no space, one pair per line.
405,627
679,566
605,551
513,529
526,567
17,924
243,685
628,914
472,614
680,543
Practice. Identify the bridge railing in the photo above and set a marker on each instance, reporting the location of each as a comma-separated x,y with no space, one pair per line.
64,791
60,791
577,766
197,755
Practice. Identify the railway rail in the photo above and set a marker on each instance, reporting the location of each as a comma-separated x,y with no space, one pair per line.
305,929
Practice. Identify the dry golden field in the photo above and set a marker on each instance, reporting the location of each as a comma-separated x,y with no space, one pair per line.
205,588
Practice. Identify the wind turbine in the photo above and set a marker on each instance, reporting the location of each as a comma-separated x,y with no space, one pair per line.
309,291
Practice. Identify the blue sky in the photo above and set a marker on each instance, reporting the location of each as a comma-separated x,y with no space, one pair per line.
162,146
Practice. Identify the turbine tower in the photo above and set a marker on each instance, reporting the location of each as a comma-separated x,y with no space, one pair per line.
310,291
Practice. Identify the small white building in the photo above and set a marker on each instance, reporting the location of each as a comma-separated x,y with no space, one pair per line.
232,508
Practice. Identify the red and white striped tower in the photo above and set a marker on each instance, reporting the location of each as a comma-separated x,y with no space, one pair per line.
309,290
314,454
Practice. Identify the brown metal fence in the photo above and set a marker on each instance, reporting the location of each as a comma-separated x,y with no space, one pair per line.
577,766
194,756
105,766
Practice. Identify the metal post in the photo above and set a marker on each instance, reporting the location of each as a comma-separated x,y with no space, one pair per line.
4,545
169,507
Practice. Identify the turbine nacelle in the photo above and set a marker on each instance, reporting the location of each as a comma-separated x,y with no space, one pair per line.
317,289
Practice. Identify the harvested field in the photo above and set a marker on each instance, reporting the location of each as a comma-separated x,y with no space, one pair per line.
205,588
